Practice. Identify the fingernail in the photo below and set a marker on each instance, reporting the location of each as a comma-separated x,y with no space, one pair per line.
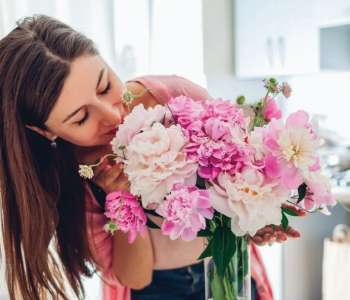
121,166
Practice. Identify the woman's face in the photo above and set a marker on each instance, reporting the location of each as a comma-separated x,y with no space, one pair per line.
90,105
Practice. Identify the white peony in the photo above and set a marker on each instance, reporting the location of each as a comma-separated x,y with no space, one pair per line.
156,162
250,199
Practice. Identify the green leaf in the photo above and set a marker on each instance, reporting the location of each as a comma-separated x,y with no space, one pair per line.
163,121
207,251
289,212
200,183
226,221
151,224
301,192
284,221
204,233
223,248
273,80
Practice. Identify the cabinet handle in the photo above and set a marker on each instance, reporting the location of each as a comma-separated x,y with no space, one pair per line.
269,50
282,49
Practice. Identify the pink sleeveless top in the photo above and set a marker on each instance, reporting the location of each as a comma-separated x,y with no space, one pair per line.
179,253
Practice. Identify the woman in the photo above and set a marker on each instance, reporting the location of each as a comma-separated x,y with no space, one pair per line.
59,105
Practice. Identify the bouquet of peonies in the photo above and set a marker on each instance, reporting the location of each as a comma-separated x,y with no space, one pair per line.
211,172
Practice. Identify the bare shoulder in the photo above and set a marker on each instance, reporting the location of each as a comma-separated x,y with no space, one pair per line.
136,88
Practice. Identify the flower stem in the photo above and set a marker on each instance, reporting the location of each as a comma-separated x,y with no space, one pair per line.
264,108
308,211
227,291
103,158
159,95
343,205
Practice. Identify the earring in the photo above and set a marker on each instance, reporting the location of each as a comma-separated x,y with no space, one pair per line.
53,142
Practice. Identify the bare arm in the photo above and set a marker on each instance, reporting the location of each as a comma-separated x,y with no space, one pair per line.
132,263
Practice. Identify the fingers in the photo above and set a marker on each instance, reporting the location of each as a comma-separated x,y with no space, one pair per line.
292,233
257,240
264,236
281,237
112,173
300,212
106,174
102,167
269,235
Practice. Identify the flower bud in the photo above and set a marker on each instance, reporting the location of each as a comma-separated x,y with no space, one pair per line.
240,100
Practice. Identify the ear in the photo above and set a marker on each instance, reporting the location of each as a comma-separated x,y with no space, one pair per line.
42,132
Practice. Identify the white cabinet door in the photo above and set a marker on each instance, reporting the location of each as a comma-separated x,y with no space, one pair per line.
275,37
296,38
253,30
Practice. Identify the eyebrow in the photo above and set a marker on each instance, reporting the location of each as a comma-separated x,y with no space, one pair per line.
100,77
77,110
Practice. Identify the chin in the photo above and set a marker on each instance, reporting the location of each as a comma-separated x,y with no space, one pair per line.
107,140
101,141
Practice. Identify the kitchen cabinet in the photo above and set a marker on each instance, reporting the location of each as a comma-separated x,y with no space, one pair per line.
332,12
333,18
275,37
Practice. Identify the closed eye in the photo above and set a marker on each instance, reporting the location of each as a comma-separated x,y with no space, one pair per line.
107,89
83,120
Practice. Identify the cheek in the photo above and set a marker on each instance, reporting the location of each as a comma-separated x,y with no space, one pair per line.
86,135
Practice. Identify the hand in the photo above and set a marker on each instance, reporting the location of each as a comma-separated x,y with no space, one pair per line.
110,178
268,235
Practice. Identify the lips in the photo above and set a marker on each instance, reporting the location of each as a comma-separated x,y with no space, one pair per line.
113,131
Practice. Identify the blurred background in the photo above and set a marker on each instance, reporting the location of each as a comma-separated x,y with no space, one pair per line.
229,46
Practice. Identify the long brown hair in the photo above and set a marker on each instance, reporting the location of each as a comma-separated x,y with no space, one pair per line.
42,195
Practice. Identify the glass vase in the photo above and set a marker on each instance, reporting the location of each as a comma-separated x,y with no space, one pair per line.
235,283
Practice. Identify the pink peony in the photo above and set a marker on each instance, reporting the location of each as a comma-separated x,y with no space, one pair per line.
318,192
196,135
156,161
250,198
185,210
222,154
212,142
272,110
225,111
140,119
186,110
293,149
132,218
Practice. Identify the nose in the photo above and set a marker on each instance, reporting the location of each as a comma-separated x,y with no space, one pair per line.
110,114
